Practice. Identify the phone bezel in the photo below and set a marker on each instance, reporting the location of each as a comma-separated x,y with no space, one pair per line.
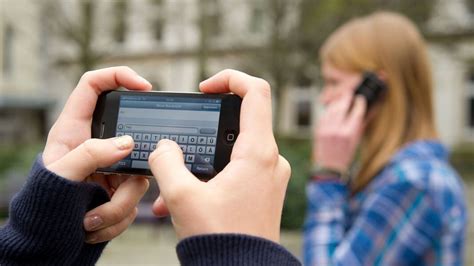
105,116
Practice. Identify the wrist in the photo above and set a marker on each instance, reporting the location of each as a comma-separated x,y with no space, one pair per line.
323,173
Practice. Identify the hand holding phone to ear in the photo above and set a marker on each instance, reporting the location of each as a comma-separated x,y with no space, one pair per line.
338,132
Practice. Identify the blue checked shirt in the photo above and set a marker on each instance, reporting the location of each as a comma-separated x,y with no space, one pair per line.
412,213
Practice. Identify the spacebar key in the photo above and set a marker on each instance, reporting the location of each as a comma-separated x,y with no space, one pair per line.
140,164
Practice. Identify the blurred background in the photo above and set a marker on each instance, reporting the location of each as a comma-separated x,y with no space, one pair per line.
45,46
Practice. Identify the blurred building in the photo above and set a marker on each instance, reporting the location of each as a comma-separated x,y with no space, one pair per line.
176,43
24,97
451,42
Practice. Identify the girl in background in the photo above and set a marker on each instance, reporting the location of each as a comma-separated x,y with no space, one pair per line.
403,204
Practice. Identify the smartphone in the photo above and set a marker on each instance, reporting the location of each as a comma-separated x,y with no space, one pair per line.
205,126
372,88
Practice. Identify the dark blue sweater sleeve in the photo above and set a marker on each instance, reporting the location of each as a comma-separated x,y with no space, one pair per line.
232,249
45,225
45,228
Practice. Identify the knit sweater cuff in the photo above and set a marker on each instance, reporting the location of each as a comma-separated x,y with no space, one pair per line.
46,219
232,249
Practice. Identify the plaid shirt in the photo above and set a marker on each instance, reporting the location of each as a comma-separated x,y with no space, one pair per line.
412,213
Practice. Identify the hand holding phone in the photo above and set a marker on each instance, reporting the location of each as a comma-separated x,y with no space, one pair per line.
247,196
205,126
72,154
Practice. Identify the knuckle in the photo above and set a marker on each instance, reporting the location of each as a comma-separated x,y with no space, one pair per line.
124,69
112,232
264,87
117,213
269,156
228,71
89,149
87,75
285,168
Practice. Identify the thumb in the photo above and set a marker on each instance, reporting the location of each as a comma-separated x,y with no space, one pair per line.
90,155
167,165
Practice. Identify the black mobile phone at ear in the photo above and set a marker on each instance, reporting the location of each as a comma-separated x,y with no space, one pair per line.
205,126
371,88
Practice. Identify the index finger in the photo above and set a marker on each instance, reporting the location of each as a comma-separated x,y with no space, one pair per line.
256,109
81,103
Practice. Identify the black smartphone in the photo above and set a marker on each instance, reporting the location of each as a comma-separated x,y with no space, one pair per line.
205,126
372,88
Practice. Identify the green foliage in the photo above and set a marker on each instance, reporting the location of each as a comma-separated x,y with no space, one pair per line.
17,158
14,157
462,158
297,152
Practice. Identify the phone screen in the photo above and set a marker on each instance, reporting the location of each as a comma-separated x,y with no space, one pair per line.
193,123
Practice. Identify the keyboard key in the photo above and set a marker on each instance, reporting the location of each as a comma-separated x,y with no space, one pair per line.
143,155
207,131
190,158
183,139
191,149
189,166
174,138
137,136
140,164
210,150
202,140
119,134
204,159
211,141
207,159
155,137
153,146
122,164
203,169
136,146
183,147
135,154
165,136
128,134
192,140
145,146
146,137
201,149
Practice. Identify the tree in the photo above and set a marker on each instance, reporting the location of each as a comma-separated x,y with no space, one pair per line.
79,33
290,56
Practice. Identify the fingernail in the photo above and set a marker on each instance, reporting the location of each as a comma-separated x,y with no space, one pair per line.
144,81
92,222
91,239
123,142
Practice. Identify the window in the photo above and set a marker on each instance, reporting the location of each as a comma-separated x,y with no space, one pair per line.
211,20
303,114
8,39
470,103
256,19
158,27
120,27
158,20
